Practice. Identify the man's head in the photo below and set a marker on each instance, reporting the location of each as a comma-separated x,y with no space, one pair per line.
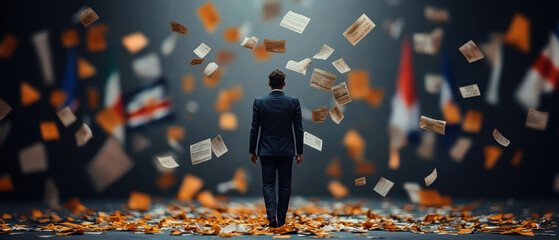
277,79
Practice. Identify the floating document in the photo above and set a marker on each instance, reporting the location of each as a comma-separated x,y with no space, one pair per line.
83,135
470,91
168,45
66,116
41,42
341,66
359,29
431,178
473,121
324,52
460,148
492,154
312,141
500,138
218,146
275,46
383,186
201,151
341,94
433,82
413,191
197,61
109,164
51,195
175,145
360,181
5,108
300,67
271,9
88,16
436,15
295,22
433,125
319,115
96,38
535,119
250,42
135,42
336,114
168,161
428,43
33,159
322,80
471,52
202,50
147,66
178,28
426,149
210,69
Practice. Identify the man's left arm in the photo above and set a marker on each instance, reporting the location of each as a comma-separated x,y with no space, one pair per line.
255,128
298,128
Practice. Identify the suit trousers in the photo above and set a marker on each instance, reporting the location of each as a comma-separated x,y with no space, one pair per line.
282,165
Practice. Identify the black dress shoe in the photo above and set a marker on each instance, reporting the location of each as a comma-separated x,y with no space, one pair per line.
273,223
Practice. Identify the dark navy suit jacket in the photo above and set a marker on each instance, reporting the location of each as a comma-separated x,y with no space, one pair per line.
277,117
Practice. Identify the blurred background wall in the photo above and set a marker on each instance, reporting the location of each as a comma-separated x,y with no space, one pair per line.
378,53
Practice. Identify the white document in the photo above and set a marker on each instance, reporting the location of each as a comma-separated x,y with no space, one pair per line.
436,15
341,94
41,42
147,66
33,159
322,80
341,66
300,67
336,114
359,29
66,116
218,146
413,191
169,44
469,91
250,42
360,181
394,28
428,43
51,196
383,186
109,164
433,82
426,149
324,52
537,119
175,145
201,151
312,141
168,161
210,69
4,109
319,115
202,50
431,178
433,125
83,135
295,22
471,51
460,148
500,138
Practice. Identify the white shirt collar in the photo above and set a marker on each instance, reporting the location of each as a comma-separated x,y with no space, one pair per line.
273,90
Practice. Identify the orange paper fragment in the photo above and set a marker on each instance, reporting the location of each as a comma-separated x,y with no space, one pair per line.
189,187
337,189
472,121
175,132
29,95
492,154
214,80
188,83
451,113
364,168
240,180
96,38
225,57
109,119
334,168
228,121
358,84
166,181
57,98
355,145
260,54
375,97
135,42
209,16
518,34
49,131
231,35
70,38
139,201
432,198
8,46
6,183
207,199
85,69
92,97
394,160
517,158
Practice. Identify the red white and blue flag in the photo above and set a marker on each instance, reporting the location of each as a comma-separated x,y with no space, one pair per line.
543,76
148,104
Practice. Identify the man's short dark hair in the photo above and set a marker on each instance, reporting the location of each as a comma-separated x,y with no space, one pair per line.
276,79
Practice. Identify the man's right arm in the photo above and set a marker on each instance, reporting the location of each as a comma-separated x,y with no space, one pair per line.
255,127
298,129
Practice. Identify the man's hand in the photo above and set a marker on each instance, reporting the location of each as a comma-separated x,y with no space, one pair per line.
253,158
299,158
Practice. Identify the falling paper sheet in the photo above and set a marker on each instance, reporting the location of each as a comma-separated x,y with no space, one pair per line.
322,80
500,138
167,161
275,46
359,29
300,67
41,42
324,52
51,195
428,43
394,28
202,50
270,9
109,164
536,119
433,82
460,148
312,141
66,116
250,42
431,178
33,159
436,15
201,151
169,44
360,181
178,28
341,66
336,114
295,22
218,146
210,69
88,16
470,91
197,61
4,109
413,191
433,125
135,42
83,135
175,145
383,186
471,52
341,94
49,131
426,149
147,66
319,115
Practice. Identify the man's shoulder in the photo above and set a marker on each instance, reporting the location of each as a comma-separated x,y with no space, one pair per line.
291,98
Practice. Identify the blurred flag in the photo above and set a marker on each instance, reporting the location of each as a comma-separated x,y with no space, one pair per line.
405,104
148,104
450,110
113,98
69,83
543,75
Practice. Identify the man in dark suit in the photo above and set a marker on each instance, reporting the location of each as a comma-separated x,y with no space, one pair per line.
276,119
